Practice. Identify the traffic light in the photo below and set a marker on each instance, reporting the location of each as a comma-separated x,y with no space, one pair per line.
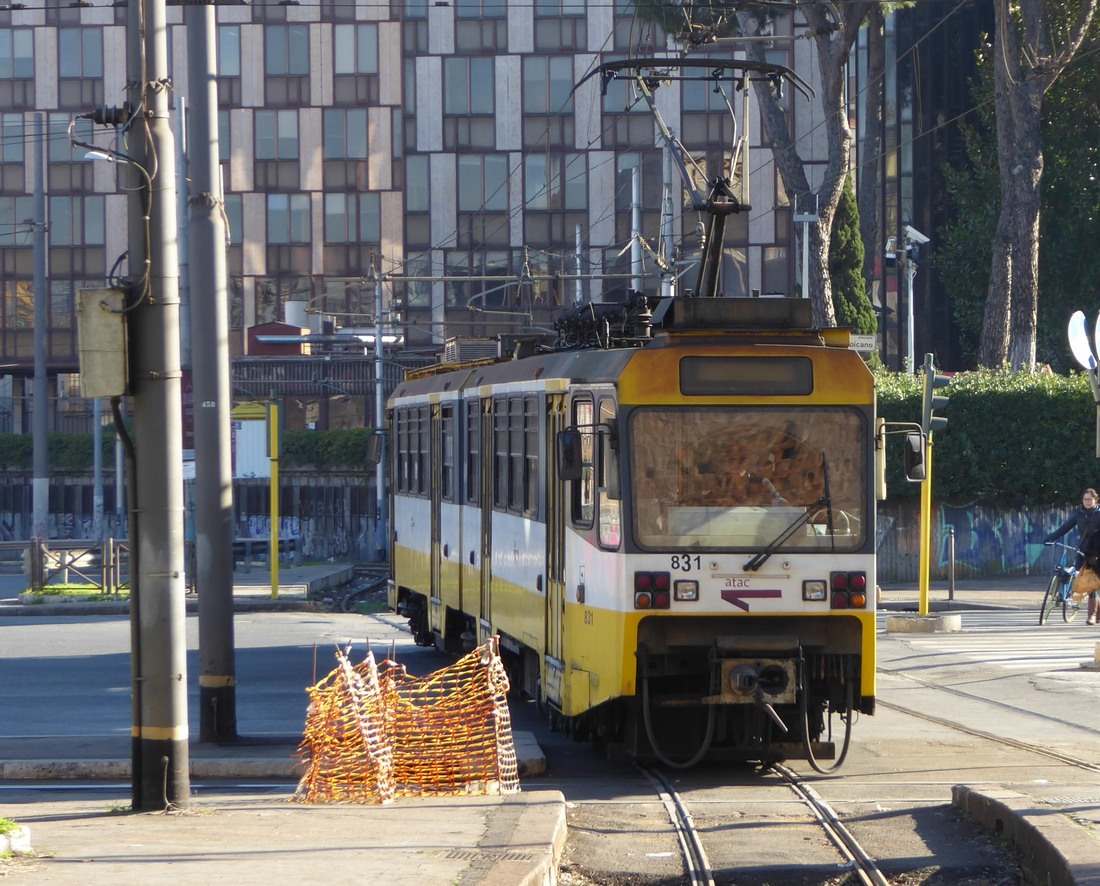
932,401
913,453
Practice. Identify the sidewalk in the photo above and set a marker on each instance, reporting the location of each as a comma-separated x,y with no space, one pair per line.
1004,592
297,588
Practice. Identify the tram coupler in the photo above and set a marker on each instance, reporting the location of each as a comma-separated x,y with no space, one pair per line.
762,671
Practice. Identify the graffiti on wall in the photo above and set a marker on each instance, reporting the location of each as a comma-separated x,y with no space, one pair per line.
983,540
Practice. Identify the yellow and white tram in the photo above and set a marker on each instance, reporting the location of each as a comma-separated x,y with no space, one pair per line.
672,531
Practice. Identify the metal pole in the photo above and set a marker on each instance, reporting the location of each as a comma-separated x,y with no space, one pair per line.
951,563
925,528
578,284
182,214
910,273
40,496
636,228
161,768
120,488
668,273
273,537
211,390
97,465
381,510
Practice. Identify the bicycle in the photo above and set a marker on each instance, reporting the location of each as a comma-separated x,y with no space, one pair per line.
1059,591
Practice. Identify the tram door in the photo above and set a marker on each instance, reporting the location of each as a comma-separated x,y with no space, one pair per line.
555,532
487,447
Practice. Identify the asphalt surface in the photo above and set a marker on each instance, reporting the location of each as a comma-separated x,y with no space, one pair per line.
241,828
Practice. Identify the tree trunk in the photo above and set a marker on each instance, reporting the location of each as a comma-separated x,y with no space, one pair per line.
833,41
1022,75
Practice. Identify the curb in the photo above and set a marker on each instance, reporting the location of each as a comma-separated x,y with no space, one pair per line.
1050,847
530,759
245,604
531,862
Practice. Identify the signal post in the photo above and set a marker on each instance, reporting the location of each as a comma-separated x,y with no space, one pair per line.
918,468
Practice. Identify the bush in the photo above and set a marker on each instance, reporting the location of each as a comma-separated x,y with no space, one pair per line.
1014,438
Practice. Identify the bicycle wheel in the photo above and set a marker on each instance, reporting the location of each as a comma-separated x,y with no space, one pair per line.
1070,607
1050,599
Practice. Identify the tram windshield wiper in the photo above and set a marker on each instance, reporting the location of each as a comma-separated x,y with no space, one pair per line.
761,558
824,502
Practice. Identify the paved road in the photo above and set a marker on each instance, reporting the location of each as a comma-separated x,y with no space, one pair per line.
1014,640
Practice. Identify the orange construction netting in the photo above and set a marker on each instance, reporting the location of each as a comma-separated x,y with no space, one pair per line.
373,732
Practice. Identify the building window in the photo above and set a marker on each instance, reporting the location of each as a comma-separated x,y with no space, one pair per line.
80,52
547,85
555,181
417,183
468,85
287,50
61,148
353,218
559,7
355,48
345,134
481,8
76,221
11,138
288,218
16,54
700,95
234,214
229,50
223,136
482,183
276,135
416,9
482,291
16,221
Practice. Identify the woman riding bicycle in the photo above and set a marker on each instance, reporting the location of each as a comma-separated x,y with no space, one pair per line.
1086,520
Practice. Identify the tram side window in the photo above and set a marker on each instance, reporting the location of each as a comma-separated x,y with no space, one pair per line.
610,528
530,456
473,452
424,450
447,463
500,454
584,490
515,455
402,450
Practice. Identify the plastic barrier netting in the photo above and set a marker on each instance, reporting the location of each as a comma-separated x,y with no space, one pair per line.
374,732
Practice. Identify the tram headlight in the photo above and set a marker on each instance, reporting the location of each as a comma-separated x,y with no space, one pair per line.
685,591
815,589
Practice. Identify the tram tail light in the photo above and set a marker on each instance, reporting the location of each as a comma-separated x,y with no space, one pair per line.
652,590
849,590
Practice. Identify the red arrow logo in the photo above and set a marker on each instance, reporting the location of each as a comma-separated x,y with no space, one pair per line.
737,598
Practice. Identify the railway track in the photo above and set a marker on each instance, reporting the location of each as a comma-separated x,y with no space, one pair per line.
696,864
1038,749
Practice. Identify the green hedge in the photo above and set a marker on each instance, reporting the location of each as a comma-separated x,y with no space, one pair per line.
66,453
326,450
1016,439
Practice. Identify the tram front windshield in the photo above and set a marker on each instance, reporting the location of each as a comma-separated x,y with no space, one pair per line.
738,477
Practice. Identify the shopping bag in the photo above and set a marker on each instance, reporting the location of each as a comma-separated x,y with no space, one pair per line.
1086,582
